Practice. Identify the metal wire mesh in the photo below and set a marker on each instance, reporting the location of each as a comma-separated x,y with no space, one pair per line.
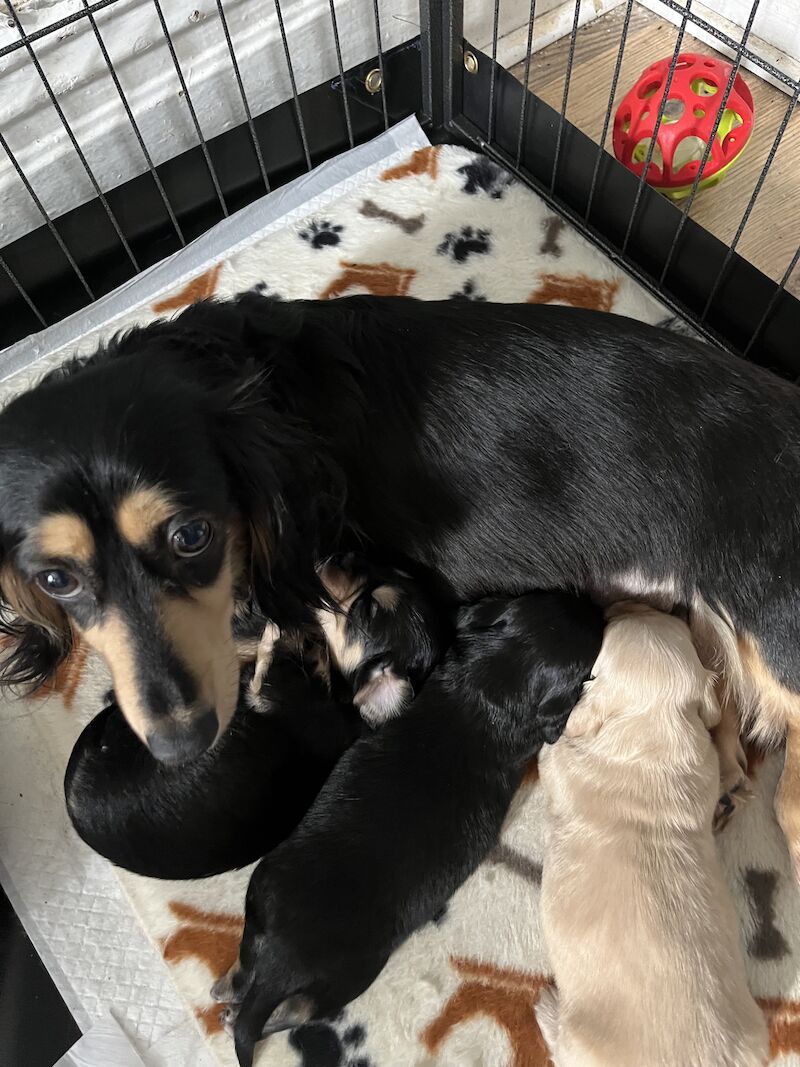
442,42
174,206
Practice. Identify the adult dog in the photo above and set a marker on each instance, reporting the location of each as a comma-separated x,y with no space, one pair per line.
192,465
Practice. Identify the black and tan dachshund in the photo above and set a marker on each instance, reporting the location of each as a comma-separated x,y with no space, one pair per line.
192,465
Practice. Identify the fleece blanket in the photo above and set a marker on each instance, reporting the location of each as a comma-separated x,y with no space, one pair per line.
435,222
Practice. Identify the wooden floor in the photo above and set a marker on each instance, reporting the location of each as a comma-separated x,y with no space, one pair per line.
772,234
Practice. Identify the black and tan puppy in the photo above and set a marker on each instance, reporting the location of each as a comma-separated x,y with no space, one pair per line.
407,814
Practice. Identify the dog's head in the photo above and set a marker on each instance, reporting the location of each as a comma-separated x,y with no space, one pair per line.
384,631
144,494
535,650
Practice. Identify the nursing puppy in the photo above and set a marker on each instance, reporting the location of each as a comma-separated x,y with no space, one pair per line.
237,801
638,921
407,814
230,805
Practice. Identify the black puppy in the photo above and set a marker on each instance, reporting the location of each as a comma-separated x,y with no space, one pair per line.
229,806
238,800
407,814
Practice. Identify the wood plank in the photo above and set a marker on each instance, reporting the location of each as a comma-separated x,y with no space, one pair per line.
773,231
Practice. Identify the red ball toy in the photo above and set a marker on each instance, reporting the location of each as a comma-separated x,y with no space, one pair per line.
689,116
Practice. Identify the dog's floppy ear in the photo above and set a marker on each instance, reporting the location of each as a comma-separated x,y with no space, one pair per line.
710,711
35,633
557,699
287,497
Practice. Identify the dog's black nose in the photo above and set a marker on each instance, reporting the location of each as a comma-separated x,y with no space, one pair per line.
178,743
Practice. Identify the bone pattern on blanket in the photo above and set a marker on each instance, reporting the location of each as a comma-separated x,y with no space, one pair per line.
463,989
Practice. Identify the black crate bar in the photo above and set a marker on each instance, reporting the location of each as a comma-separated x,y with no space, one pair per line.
612,93
187,97
132,120
651,148
74,141
245,102
687,204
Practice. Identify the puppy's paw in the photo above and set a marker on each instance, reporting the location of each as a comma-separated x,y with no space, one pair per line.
228,1018
294,1011
266,647
734,785
735,790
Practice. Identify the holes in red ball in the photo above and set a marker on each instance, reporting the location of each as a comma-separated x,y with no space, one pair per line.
703,87
649,89
673,110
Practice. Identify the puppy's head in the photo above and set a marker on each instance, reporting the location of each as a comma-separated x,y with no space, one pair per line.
384,633
143,493
647,657
536,651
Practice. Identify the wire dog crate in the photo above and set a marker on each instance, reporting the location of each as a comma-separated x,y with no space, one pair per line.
460,93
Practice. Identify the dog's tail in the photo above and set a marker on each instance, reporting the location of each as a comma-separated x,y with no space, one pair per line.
260,1015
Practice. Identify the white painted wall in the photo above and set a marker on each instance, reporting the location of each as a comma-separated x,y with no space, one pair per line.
130,28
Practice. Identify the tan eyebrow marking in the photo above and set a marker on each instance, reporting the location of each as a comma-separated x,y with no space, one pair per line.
64,535
141,512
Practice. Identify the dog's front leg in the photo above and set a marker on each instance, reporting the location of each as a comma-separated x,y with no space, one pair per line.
787,796
734,784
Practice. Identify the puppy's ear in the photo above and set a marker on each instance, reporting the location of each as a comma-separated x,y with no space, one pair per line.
34,632
383,695
710,711
587,716
558,703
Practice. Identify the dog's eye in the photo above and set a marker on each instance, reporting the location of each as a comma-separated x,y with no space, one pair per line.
58,583
191,538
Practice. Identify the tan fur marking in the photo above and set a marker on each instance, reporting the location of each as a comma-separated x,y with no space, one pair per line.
774,705
386,597
199,629
140,514
31,603
115,643
65,536
347,655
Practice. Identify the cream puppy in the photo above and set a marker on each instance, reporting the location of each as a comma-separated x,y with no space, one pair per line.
638,921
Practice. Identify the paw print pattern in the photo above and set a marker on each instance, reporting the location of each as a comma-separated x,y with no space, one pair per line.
322,233
263,289
464,243
482,175
468,291
319,1045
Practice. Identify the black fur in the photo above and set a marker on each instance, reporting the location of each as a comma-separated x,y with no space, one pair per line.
409,812
498,448
226,808
238,800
